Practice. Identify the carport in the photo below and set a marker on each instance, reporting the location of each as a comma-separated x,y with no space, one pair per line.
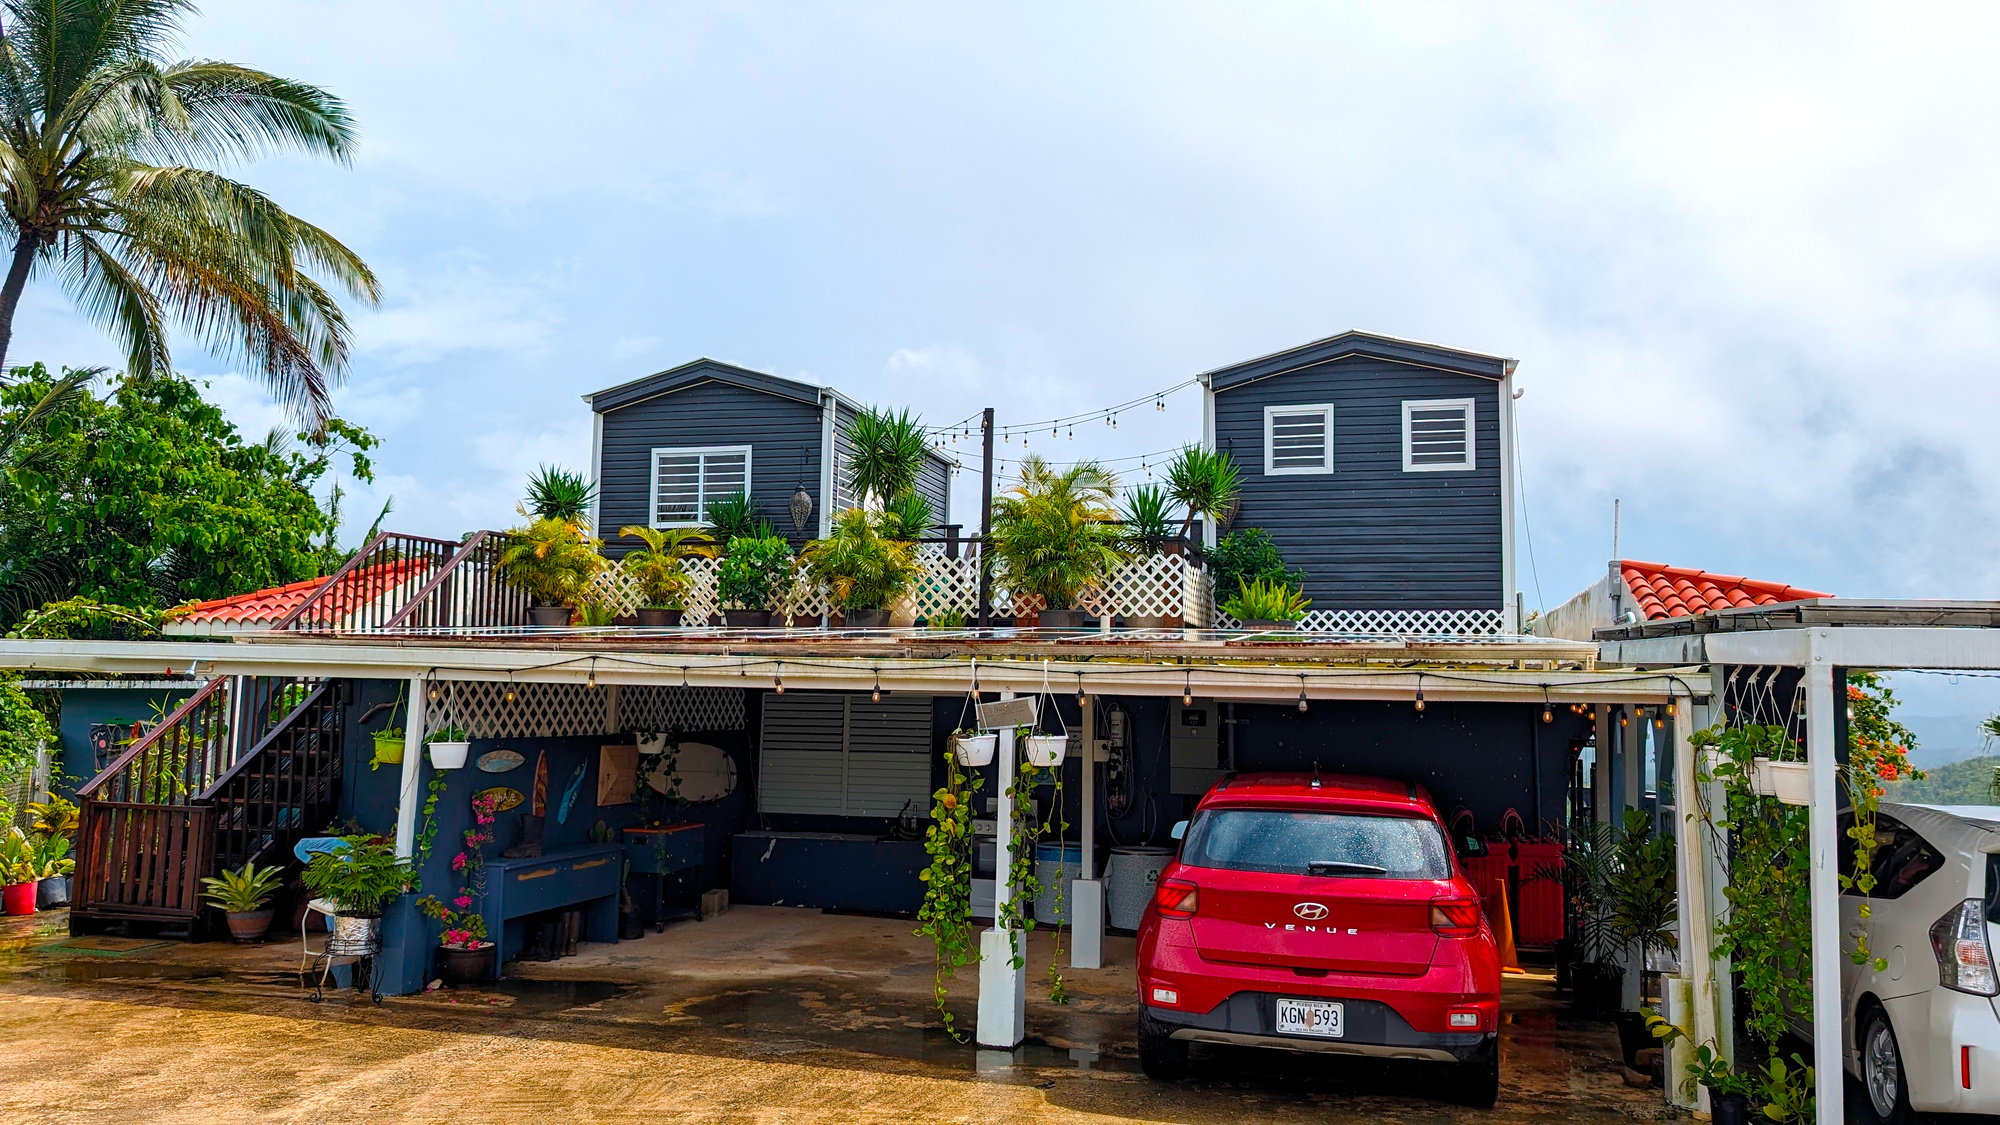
1818,642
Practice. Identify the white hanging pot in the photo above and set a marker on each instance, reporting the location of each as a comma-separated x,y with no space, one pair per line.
1047,750
449,755
974,749
1789,782
652,744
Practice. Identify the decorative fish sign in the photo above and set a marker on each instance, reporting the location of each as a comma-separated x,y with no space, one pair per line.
500,761
503,797
570,791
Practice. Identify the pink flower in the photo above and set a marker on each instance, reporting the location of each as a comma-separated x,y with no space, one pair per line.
458,862
463,902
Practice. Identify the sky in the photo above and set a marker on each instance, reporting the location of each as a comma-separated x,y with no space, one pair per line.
1747,257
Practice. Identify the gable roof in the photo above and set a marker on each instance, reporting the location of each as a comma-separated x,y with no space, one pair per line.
1355,342
1663,591
702,370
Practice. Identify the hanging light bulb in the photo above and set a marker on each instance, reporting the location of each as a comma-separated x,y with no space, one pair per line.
1624,720
509,697
778,677
1072,433
1079,690
1420,695
590,681
1302,692
1659,724
684,677
1187,689
1159,403
1670,708
434,691
876,695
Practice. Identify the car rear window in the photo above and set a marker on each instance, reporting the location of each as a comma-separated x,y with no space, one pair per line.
1290,843
1993,889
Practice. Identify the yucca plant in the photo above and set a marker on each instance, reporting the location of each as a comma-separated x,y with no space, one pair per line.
735,516
862,565
555,493
552,559
1148,516
1206,483
1259,600
659,568
887,453
245,891
1053,533
908,516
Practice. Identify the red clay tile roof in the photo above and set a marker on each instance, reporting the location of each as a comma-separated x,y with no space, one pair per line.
269,606
1678,591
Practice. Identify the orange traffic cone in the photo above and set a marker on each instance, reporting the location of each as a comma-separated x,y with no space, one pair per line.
1503,929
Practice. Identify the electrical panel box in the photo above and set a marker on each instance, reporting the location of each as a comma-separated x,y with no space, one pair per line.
1195,746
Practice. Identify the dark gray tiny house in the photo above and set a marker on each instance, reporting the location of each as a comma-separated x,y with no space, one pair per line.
667,445
1380,467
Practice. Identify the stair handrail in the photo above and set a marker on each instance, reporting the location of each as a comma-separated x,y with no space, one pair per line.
208,795
147,740
436,580
360,560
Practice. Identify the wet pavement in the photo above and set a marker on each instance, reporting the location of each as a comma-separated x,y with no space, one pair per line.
762,1014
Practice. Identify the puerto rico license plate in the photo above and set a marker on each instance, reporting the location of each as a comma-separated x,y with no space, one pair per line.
1309,1017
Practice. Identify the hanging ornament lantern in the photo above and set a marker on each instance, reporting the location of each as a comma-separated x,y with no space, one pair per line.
802,508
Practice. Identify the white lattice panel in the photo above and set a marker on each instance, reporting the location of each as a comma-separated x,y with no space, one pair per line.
1147,586
1397,622
701,601
615,589
946,586
659,708
538,710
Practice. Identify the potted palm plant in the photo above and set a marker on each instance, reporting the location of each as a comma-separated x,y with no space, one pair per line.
553,560
1053,535
659,569
750,578
1265,604
1206,483
360,878
864,569
244,897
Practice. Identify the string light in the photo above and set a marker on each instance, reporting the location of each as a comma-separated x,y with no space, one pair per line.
1548,712
1302,691
1670,708
778,677
1079,690
1187,689
590,681
1659,724
1624,720
434,691
1420,693
509,697
684,677
876,695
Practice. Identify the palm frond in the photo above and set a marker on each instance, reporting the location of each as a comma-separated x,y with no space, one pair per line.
119,302
64,391
235,112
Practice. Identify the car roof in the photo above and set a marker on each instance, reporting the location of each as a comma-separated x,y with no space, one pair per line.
1970,818
1334,789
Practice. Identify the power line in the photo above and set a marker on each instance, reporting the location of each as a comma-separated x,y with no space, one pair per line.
1108,414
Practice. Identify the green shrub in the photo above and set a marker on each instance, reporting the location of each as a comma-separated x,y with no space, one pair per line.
1250,556
752,575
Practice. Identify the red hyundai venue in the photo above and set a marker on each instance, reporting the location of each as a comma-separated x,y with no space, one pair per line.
1320,913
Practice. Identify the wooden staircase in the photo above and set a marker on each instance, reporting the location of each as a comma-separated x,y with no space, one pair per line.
240,772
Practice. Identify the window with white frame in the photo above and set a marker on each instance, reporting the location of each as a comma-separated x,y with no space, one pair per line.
1298,439
687,481
1437,435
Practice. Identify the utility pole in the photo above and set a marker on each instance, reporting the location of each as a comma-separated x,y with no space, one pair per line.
986,520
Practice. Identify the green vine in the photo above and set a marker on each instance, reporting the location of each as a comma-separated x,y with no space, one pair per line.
1878,749
1058,819
427,835
946,914
1017,916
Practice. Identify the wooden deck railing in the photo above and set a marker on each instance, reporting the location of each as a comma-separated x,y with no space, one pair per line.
287,786
400,581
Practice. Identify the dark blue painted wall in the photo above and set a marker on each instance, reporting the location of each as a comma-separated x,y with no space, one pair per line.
1369,535
82,708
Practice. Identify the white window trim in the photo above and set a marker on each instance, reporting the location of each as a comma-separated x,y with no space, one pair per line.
1471,409
1270,412
653,483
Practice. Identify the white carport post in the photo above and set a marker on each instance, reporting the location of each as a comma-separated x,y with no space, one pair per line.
1697,960
1822,838
413,756
1086,909
1003,987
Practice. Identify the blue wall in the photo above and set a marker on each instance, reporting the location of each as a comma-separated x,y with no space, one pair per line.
84,707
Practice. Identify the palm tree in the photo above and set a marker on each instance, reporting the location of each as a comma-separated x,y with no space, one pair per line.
1053,532
887,453
100,142
1206,483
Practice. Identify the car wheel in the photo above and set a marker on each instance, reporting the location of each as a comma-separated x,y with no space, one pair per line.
1161,1056
1476,1081
1882,1071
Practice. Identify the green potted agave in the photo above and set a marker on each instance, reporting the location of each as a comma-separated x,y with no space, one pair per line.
864,567
360,879
244,898
1265,604
659,569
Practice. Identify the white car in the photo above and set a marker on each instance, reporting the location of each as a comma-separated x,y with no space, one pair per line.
1923,1033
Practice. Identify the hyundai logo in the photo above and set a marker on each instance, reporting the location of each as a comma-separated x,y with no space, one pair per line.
1310,911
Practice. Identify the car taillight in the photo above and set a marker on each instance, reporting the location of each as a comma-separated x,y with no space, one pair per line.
1455,917
1965,960
1177,898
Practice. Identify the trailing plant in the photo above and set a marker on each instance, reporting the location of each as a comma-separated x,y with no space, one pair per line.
244,891
464,925
735,516
886,453
1053,533
862,566
754,573
1250,556
945,916
1017,917
361,878
448,733
1206,483
427,834
552,559
1057,821
659,567
1148,517
1263,600
1878,750
559,494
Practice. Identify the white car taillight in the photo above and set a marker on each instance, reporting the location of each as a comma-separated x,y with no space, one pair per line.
1965,960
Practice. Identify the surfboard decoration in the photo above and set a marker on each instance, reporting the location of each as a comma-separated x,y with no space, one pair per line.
500,761
707,773
503,797
541,805
570,791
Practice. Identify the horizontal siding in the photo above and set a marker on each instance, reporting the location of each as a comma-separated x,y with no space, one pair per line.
881,784
784,436
934,484
1369,535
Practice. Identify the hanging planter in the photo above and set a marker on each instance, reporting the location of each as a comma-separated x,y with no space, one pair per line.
449,754
650,744
1789,782
388,748
974,750
1047,750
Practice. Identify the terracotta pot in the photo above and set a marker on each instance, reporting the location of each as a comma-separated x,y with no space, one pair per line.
458,967
867,619
248,926
747,618
19,898
52,892
1063,619
548,616
659,618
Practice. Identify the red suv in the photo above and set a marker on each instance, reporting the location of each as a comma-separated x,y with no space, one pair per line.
1320,913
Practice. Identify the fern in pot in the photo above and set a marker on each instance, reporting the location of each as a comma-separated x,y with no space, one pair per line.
360,880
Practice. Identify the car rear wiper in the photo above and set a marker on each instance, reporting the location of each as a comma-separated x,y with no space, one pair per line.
1342,867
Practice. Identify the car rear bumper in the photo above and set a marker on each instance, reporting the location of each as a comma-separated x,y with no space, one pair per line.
1249,1019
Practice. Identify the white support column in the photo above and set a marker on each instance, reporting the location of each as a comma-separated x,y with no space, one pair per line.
1086,912
413,756
1003,986
1824,878
1690,841
1601,774
1718,872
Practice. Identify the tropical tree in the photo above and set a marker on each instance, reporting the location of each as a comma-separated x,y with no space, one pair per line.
1205,482
887,453
107,151
863,562
1053,532
659,566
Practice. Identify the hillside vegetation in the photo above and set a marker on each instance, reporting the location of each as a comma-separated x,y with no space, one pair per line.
1969,782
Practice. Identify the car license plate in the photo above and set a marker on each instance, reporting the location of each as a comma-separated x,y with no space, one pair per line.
1309,1017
